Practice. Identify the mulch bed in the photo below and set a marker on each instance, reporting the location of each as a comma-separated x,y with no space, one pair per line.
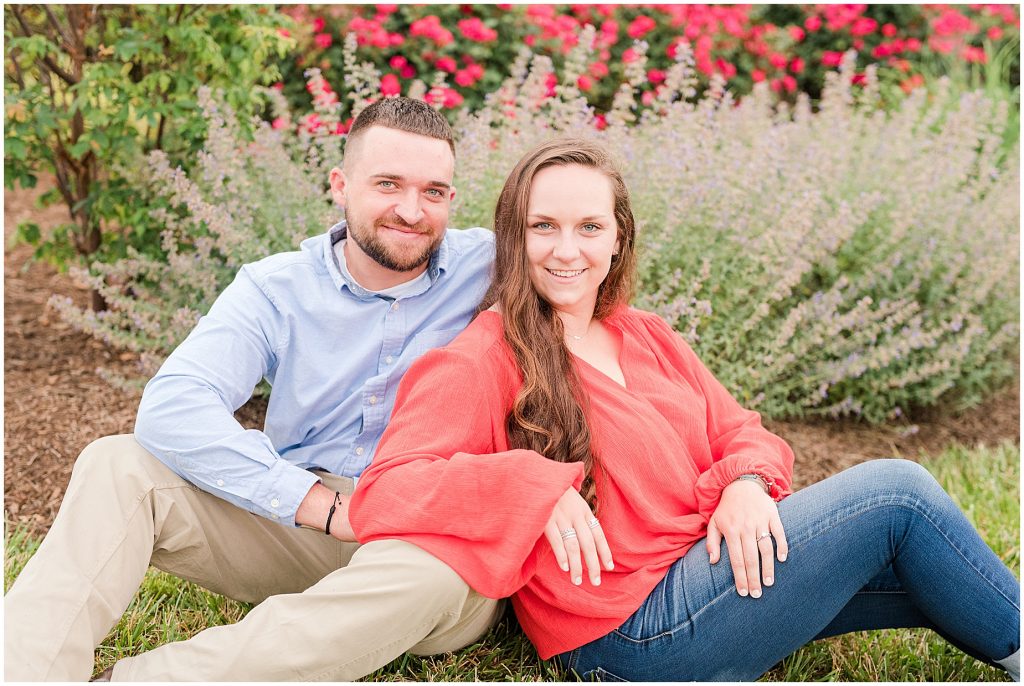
55,404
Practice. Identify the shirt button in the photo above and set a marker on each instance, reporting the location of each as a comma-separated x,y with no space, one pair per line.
273,516
220,482
359,450
389,359
373,400
275,502
394,305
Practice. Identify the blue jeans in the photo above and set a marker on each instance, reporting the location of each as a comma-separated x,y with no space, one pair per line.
880,545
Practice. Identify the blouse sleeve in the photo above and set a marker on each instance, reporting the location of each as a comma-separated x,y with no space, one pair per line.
442,480
739,443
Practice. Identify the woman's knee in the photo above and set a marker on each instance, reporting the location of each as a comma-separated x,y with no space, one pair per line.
905,480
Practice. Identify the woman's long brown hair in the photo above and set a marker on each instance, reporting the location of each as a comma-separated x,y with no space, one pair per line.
549,414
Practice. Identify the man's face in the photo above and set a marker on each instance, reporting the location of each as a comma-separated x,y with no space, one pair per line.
396,189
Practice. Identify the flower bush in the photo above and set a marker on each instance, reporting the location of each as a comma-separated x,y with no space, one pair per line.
845,261
789,47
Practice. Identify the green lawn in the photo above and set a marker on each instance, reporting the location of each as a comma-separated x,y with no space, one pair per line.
984,482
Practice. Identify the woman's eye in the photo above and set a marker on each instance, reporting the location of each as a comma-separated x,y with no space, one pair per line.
590,228
543,226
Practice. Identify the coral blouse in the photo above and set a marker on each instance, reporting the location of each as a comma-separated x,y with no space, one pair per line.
445,479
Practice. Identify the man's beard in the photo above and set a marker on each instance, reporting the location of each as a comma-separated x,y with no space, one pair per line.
378,250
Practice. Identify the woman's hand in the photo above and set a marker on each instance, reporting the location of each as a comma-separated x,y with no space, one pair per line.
573,531
744,516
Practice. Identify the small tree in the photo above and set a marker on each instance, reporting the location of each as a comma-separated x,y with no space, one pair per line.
90,89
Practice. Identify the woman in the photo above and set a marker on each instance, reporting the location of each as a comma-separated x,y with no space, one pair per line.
560,402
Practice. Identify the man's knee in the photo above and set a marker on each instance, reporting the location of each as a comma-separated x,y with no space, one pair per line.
117,460
424,573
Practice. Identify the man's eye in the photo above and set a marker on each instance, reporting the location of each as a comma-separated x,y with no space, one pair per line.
386,184
435,193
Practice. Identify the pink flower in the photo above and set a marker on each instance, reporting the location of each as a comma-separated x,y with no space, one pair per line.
584,83
789,83
452,98
530,39
279,123
971,53
389,85
757,75
598,70
913,45
550,81
726,69
610,27
323,40
446,64
463,78
831,59
859,79
881,50
386,9
889,30
318,25
776,85
629,55
796,33
600,122
797,65
430,27
913,82
655,76
812,23
284,32
395,39
640,26
407,72
397,62
475,30
863,26
994,33
777,60
647,98
279,86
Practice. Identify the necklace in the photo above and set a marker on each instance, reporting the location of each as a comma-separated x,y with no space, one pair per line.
580,338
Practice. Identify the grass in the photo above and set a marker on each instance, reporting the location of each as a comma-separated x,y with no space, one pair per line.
985,483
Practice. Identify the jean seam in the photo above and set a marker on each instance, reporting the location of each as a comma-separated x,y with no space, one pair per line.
899,501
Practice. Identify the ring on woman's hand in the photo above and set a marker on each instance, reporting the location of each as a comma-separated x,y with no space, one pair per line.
763,534
568,533
593,523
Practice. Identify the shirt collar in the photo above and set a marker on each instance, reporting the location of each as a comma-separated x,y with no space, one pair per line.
439,261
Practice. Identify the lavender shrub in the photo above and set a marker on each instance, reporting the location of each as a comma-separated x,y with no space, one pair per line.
844,261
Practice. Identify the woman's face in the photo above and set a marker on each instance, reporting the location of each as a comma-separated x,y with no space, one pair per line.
571,236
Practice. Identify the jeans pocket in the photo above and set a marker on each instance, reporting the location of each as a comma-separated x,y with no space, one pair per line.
600,674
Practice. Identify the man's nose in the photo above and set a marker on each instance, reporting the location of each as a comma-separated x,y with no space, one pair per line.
410,208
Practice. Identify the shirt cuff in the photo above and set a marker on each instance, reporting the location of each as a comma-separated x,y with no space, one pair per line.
281,491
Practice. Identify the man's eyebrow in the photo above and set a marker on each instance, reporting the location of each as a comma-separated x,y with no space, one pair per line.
398,177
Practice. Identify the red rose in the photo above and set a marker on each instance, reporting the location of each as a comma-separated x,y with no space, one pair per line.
389,85
812,23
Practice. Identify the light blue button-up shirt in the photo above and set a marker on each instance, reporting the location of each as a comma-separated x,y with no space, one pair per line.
333,353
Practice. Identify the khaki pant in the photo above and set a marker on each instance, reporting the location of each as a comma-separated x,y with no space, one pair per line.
327,610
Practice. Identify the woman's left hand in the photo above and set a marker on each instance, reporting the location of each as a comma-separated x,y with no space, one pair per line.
744,515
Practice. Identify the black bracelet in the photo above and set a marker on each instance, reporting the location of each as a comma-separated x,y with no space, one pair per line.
330,513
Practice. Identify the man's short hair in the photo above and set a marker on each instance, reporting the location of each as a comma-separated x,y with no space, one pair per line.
404,114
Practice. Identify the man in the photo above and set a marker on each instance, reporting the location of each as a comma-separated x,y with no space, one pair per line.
246,513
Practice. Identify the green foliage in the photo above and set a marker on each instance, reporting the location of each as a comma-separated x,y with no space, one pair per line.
91,89
983,481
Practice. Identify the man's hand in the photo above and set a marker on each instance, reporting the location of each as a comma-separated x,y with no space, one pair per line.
572,514
748,519
314,508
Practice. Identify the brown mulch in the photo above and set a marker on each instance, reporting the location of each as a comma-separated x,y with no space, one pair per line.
55,404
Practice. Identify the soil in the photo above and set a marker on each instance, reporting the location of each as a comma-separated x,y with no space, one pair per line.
55,403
